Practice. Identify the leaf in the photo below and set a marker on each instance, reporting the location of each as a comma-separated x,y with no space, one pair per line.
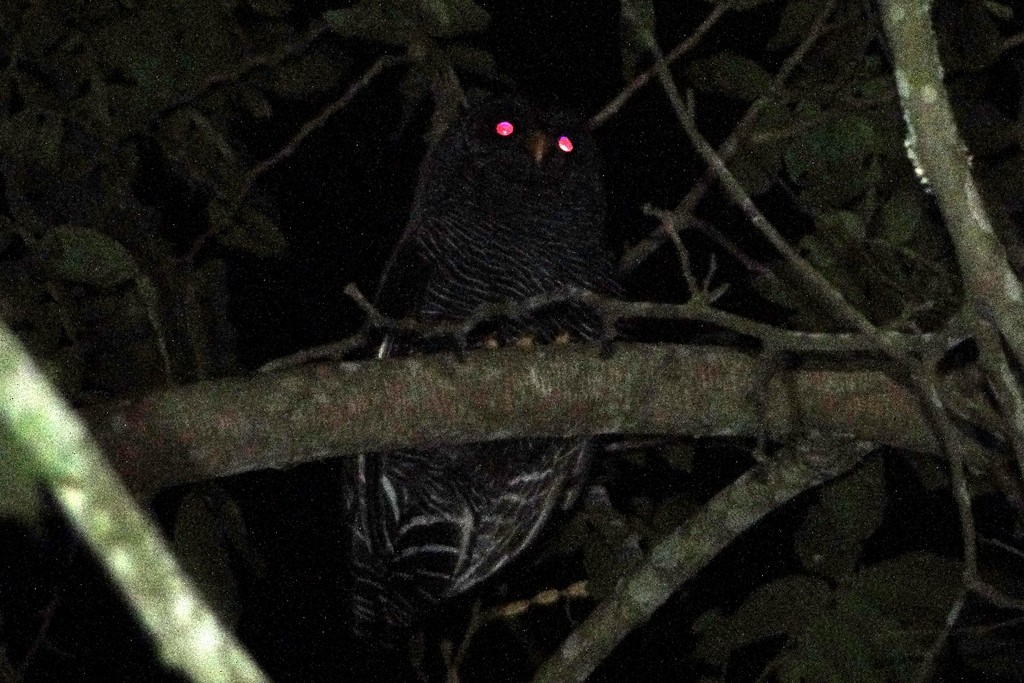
830,541
392,23
797,18
670,514
270,8
33,136
901,218
999,10
842,643
843,227
857,501
249,230
831,161
86,256
753,174
637,24
400,22
20,294
968,37
780,607
451,18
731,75
678,456
254,102
63,368
918,588
20,491
472,60
198,539
928,471
304,76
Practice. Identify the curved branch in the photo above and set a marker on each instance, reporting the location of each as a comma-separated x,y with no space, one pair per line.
690,547
219,428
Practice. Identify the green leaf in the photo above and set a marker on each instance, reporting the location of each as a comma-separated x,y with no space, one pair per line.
999,10
901,218
929,472
304,76
670,514
797,18
638,22
392,22
841,643
757,174
832,162
33,137
198,539
729,74
249,230
830,541
63,368
843,227
918,588
781,607
857,501
450,18
678,456
86,256
254,102
271,8
968,37
399,22
20,492
472,60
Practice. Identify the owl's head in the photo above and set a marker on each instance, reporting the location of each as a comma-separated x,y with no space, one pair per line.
525,149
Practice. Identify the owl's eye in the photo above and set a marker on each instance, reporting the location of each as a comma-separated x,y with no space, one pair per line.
504,129
565,144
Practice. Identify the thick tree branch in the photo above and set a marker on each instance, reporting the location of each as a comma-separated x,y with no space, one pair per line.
690,547
214,429
52,446
994,294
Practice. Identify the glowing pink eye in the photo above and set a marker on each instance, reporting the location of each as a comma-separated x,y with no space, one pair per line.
565,144
504,129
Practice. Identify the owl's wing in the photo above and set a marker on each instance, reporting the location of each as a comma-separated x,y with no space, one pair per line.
400,292
512,508
430,526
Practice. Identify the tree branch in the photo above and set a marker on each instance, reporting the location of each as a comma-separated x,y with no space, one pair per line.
690,547
218,428
994,294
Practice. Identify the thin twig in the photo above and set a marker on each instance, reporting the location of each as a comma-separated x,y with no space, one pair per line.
646,247
808,277
314,34
927,669
378,67
615,104
382,64
1012,42
667,223
613,312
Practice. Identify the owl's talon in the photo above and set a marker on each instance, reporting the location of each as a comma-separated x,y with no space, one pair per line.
490,342
525,342
563,337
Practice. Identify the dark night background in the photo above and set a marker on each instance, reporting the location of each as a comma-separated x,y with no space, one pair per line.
340,201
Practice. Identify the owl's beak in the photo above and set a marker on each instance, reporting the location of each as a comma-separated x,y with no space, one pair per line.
537,146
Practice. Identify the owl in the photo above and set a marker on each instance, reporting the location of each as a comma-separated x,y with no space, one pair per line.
509,205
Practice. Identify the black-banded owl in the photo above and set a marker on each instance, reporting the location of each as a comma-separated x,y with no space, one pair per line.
509,205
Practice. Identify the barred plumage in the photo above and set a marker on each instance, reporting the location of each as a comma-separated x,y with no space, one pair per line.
497,217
